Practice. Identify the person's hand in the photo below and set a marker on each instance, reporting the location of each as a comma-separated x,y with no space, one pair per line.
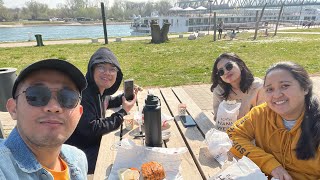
127,105
280,173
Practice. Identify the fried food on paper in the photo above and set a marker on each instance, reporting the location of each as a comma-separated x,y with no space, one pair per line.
152,171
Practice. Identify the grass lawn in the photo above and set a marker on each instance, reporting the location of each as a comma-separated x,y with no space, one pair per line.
179,61
300,29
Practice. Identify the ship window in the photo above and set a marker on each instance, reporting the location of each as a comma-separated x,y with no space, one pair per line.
198,21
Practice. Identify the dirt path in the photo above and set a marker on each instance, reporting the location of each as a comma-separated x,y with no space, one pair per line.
82,41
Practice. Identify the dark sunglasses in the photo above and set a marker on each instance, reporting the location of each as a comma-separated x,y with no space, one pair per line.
228,67
40,95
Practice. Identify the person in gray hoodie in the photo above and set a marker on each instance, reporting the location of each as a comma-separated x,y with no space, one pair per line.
104,77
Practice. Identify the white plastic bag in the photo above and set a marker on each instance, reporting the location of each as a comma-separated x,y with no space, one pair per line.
219,144
227,114
243,169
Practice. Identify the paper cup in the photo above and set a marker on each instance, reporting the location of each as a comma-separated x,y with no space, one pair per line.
182,109
128,122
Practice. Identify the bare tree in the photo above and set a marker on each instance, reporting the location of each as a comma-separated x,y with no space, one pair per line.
37,9
163,6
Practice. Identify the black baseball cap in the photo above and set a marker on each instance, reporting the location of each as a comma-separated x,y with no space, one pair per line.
55,64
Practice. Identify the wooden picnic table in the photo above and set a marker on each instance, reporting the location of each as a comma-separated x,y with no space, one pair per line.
197,163
6,124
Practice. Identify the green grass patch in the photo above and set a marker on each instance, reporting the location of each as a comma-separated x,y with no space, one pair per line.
179,61
300,29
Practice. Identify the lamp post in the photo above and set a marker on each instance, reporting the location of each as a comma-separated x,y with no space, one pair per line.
209,1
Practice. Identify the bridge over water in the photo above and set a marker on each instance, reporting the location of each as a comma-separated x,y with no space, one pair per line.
231,4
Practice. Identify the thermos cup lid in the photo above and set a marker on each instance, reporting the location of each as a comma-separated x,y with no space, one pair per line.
151,100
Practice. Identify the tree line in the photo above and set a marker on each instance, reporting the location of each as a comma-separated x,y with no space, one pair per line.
121,10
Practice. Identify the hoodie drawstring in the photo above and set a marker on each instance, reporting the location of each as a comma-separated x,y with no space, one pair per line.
284,145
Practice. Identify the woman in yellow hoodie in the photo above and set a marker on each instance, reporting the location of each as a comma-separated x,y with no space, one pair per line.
286,128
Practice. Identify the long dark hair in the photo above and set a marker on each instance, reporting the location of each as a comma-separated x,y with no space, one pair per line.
310,136
246,75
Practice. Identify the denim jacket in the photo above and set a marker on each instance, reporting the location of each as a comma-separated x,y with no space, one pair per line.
18,161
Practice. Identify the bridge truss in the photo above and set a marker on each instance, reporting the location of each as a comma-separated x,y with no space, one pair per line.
231,4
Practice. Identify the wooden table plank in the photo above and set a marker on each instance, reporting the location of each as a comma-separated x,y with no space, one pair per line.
194,138
204,123
108,144
1,131
102,168
7,123
189,169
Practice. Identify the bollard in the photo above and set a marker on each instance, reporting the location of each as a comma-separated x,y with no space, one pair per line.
118,39
94,40
39,39
7,78
29,36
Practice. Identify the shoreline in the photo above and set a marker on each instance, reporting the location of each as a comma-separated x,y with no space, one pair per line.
60,24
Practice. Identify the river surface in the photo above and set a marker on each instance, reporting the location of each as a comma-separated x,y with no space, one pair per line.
26,33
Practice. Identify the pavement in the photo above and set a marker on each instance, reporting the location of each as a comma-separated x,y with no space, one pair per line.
88,41
79,41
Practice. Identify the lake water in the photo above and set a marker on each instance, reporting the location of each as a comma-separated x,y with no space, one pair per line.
16,34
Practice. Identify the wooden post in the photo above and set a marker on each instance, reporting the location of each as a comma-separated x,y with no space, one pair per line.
104,23
258,21
275,31
214,26
256,26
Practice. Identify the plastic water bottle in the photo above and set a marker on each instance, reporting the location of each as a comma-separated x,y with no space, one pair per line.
152,121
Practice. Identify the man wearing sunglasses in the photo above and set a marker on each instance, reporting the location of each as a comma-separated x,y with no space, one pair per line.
46,104
104,77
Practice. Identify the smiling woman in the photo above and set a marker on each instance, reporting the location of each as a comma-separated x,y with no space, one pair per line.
286,129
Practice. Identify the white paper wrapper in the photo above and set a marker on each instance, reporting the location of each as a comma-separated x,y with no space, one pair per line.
130,155
243,169
219,144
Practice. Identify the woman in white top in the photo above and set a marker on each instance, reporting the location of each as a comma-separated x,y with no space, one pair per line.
232,80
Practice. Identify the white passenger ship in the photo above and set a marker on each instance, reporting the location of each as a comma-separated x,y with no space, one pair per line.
200,20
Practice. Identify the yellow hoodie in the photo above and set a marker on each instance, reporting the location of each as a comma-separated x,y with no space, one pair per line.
275,145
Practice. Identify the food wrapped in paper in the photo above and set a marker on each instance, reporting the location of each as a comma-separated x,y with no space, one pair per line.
130,155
